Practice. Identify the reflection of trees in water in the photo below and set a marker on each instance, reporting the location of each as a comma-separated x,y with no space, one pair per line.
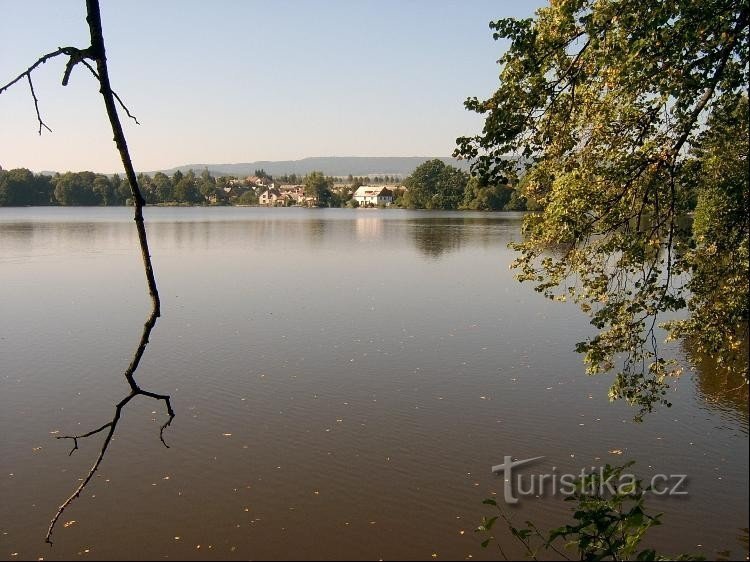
435,236
720,388
316,229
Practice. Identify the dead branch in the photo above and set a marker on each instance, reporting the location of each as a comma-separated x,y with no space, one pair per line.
97,53
119,100
69,51
111,426
36,106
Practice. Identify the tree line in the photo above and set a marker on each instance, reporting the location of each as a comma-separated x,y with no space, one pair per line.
437,185
21,187
432,185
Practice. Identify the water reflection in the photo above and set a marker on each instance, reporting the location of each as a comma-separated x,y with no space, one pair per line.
368,228
347,386
434,236
316,230
720,389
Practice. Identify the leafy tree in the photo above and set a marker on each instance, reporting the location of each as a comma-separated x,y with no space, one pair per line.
718,257
148,188
163,187
247,198
123,190
206,188
105,193
186,191
177,177
76,188
399,197
206,177
319,187
21,187
480,196
599,104
435,185
263,175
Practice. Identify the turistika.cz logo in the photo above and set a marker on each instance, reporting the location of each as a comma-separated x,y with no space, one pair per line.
554,483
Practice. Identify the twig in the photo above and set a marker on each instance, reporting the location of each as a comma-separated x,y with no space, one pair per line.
122,104
36,106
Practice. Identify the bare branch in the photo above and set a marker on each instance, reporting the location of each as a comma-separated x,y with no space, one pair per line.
122,104
112,426
36,106
96,53
135,390
41,60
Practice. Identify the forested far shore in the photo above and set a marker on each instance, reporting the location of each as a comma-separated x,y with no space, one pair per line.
432,185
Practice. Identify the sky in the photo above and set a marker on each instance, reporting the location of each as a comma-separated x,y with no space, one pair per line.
240,81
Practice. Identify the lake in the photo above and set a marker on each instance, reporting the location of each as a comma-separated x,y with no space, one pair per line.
343,380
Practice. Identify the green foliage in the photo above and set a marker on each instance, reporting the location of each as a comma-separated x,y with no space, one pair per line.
435,185
319,187
248,198
262,175
20,187
598,106
105,191
186,190
479,196
76,188
163,187
606,526
718,259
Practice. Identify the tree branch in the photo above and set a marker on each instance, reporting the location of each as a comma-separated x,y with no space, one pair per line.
36,106
135,390
96,52
119,100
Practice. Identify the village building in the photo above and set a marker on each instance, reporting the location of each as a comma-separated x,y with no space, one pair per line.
374,195
258,182
272,197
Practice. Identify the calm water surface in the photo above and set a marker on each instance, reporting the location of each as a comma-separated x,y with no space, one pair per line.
343,381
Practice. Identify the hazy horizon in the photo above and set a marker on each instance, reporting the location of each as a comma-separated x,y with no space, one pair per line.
244,82
225,167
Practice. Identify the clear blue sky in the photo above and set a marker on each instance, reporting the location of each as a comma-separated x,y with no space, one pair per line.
238,81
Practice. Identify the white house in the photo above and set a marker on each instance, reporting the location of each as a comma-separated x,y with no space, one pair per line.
373,195
271,197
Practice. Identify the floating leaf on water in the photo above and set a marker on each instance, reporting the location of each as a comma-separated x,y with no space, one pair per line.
69,523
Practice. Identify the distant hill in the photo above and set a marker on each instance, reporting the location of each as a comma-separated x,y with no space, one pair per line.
330,165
